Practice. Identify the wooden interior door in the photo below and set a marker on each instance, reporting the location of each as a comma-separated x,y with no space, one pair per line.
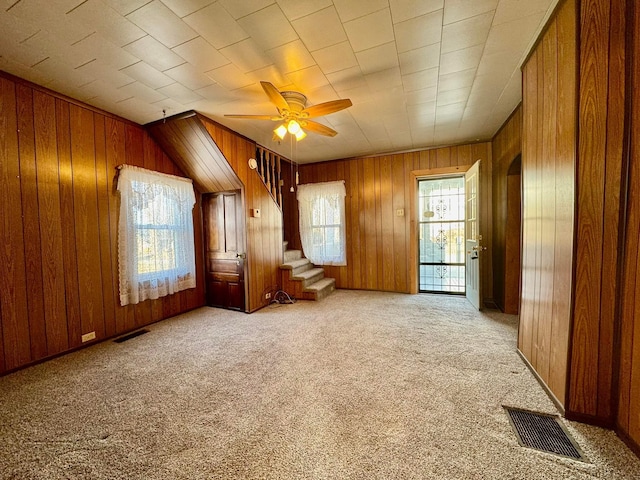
472,234
224,240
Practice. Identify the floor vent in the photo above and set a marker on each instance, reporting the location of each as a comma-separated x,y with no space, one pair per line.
543,432
131,335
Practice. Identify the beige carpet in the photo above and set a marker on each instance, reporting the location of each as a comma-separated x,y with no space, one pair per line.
363,385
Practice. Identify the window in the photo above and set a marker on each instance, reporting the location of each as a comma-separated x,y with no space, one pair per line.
322,229
155,235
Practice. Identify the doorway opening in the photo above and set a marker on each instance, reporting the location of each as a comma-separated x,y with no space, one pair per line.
441,235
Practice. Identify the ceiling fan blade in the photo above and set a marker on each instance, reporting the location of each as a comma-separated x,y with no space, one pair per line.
316,127
275,96
256,117
326,108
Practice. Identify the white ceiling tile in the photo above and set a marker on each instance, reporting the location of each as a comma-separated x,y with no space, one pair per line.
246,56
162,24
500,65
420,59
294,9
154,53
54,68
402,10
513,36
107,22
419,31
511,10
142,92
291,57
308,78
50,17
216,93
421,79
189,76
138,110
384,80
21,53
453,96
242,8
96,47
199,53
450,114
335,58
382,57
104,90
230,76
348,79
169,106
45,44
216,25
182,8
455,80
460,59
181,93
370,31
124,7
456,10
15,28
423,95
269,73
269,27
320,29
147,75
350,10
466,33
98,69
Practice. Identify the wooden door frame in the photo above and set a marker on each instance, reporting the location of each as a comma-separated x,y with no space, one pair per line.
414,176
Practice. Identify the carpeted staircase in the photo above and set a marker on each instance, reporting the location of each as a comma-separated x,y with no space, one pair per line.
301,279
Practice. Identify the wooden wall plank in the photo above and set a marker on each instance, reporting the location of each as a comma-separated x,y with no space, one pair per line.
31,223
564,199
47,171
86,220
104,227
67,207
13,287
628,394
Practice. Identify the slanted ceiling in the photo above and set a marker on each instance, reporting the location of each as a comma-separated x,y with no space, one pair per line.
187,142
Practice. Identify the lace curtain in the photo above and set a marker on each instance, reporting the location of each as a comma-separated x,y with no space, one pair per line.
322,225
155,234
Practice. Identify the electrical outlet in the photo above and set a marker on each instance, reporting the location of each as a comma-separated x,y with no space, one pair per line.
88,336
267,295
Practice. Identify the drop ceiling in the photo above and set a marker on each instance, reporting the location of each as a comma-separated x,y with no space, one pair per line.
420,73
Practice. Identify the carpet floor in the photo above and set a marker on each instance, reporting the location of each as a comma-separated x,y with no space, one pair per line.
363,385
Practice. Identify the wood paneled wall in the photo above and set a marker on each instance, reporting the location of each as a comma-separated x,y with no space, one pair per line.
264,233
506,146
548,180
58,225
381,247
600,153
628,395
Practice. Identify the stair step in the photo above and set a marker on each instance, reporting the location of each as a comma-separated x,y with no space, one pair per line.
320,289
290,255
296,264
309,277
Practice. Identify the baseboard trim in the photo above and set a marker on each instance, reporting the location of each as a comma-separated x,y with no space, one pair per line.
551,395
633,445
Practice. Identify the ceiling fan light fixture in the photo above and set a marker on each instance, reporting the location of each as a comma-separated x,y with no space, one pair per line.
281,131
300,134
294,127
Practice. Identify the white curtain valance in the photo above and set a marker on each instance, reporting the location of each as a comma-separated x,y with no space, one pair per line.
156,254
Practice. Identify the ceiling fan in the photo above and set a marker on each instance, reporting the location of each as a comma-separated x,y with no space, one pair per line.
294,113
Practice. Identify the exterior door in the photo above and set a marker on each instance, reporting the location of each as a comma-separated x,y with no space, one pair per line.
473,237
224,240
